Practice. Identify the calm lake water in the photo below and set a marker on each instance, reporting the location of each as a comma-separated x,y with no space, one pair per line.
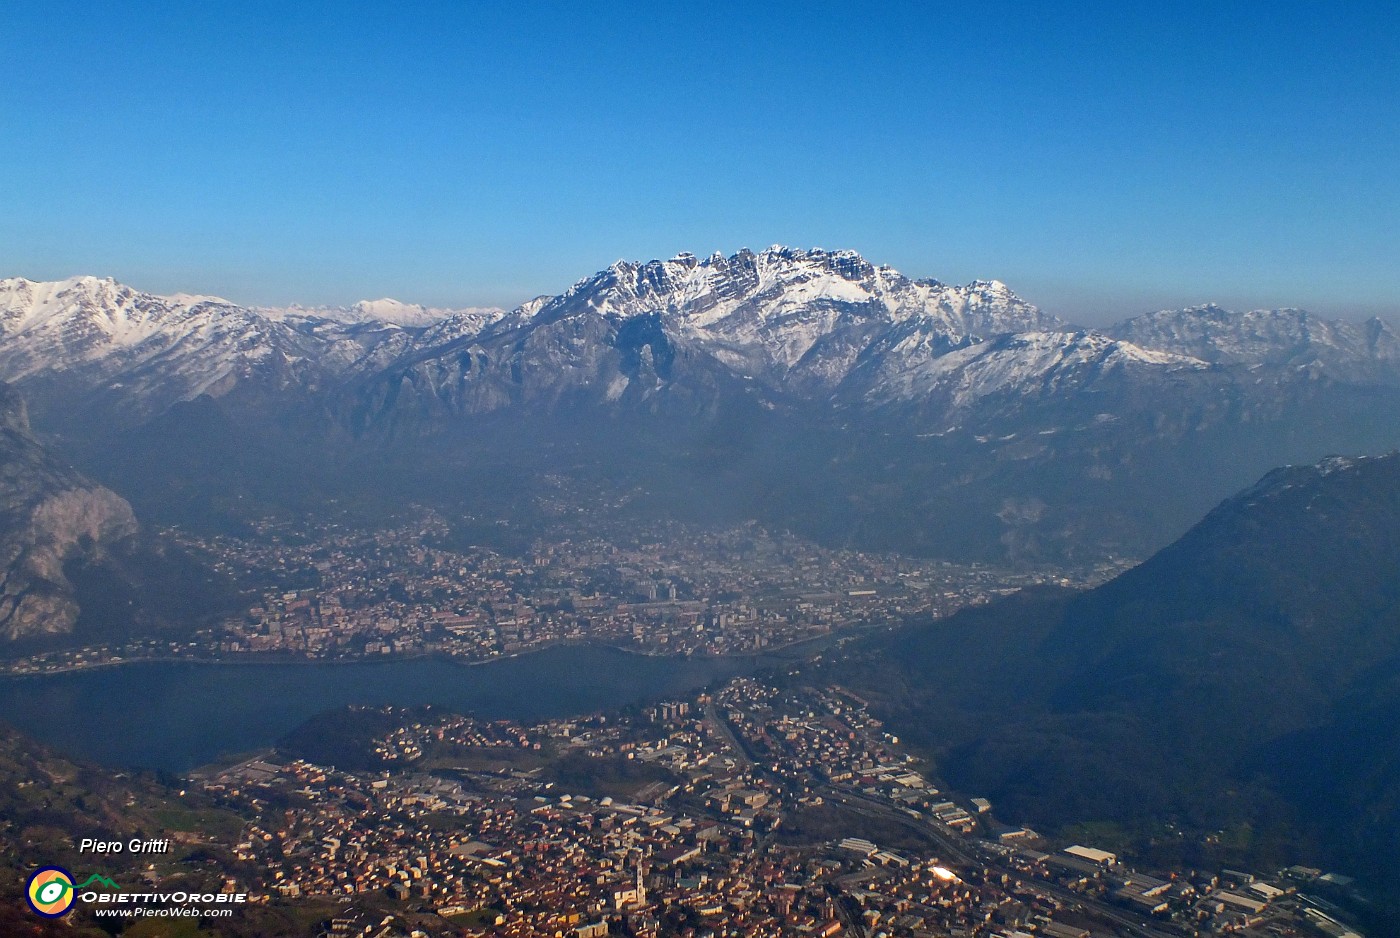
177,716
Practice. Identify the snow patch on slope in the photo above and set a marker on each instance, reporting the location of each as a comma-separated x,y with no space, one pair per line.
1034,363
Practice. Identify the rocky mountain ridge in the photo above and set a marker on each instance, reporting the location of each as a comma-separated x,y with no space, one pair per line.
790,320
811,326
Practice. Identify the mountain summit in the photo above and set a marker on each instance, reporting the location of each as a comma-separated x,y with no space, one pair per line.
749,294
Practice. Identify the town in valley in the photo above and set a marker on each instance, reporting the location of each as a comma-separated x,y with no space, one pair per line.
758,807
326,591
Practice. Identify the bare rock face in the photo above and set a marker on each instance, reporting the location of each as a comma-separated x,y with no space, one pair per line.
49,515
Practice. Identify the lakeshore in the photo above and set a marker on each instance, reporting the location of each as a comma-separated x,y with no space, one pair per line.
794,649
178,714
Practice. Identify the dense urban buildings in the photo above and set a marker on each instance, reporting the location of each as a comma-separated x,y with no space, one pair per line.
410,589
726,814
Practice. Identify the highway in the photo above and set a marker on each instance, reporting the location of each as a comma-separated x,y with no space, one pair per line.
721,725
964,854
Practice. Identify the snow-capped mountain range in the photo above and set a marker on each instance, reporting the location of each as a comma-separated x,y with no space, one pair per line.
89,336
808,388
814,326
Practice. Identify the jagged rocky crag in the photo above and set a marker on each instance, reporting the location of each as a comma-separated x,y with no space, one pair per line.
49,515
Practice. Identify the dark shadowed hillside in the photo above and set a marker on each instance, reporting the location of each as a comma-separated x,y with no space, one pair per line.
1244,680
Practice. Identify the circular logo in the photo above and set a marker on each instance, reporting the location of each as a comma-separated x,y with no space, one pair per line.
50,891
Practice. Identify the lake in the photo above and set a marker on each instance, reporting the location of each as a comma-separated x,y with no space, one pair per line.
175,716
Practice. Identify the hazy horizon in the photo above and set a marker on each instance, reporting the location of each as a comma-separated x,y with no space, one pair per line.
1082,304
1102,161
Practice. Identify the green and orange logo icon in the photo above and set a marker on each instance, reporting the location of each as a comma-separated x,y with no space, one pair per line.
51,891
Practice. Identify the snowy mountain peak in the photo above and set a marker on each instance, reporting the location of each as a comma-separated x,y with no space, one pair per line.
702,292
195,299
89,310
530,307
387,309
156,350
414,314
1029,364
789,310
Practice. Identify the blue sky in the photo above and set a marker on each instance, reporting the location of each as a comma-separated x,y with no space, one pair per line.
1101,159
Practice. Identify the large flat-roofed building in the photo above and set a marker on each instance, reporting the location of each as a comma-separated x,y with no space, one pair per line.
1093,855
1241,902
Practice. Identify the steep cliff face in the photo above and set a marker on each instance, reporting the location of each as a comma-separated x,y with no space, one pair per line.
49,515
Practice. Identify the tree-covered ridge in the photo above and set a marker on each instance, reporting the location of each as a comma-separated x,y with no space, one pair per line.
1242,685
